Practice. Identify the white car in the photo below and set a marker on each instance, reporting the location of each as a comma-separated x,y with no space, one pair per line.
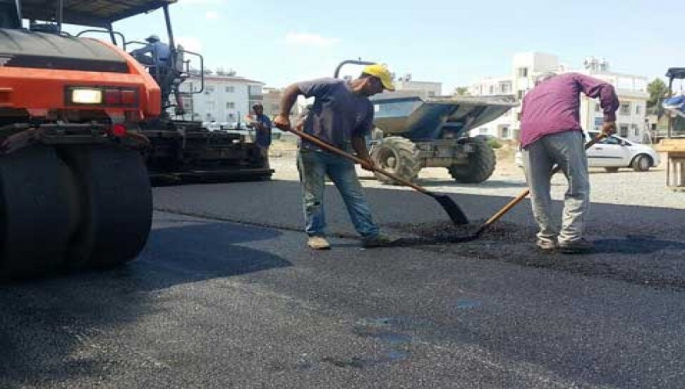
614,152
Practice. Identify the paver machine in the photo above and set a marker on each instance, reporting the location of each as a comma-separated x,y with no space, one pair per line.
180,149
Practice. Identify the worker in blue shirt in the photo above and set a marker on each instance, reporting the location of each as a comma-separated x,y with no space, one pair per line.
262,126
155,54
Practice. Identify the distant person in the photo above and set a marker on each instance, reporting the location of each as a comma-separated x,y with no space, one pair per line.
262,126
154,54
341,115
551,135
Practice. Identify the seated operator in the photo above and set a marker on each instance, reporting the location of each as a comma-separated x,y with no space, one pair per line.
155,54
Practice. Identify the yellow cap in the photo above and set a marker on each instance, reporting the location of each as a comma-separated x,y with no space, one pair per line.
382,73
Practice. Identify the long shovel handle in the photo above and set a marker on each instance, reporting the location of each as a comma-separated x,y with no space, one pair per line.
332,149
525,193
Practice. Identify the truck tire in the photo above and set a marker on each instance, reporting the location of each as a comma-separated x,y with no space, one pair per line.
396,155
116,200
481,164
38,212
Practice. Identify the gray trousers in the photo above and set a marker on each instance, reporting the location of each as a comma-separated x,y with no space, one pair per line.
566,149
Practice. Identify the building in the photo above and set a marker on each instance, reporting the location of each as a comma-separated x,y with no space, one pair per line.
406,86
631,90
272,101
225,98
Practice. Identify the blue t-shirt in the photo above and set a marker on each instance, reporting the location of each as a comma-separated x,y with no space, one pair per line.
337,113
263,137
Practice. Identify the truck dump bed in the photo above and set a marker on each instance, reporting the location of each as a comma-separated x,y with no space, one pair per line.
416,118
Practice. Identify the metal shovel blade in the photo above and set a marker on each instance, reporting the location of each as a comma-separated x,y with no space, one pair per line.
453,210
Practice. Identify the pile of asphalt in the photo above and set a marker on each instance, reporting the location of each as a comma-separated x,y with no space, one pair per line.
438,233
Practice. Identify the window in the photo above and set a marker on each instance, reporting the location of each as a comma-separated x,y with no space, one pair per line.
610,141
523,72
597,108
636,130
638,109
625,109
504,132
492,89
255,90
230,105
623,130
209,89
519,94
230,89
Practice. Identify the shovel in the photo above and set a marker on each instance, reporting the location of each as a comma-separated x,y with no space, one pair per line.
455,213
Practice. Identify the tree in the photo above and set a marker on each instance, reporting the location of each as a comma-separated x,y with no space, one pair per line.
461,91
657,90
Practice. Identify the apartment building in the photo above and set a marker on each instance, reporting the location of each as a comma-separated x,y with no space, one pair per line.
407,86
226,98
631,90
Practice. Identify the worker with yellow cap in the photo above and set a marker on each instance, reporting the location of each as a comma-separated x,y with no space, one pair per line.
341,115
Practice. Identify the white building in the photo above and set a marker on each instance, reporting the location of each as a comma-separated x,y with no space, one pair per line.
225,98
406,86
631,90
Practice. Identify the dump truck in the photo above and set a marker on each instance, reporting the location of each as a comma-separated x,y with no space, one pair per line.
83,128
413,133
417,133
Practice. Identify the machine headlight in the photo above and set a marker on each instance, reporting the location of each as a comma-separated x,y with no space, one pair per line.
86,96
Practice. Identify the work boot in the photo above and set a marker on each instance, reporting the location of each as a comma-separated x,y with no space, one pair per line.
546,245
378,241
579,246
318,243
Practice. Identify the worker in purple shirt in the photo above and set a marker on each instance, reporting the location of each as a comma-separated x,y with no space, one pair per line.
551,135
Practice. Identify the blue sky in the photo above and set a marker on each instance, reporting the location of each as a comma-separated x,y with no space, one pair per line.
455,42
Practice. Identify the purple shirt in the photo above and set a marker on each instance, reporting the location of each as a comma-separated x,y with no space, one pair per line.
553,106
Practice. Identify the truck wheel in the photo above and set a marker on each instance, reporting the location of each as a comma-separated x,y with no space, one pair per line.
38,212
642,163
396,155
482,162
116,201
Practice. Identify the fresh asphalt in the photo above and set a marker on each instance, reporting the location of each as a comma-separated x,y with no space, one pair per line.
226,295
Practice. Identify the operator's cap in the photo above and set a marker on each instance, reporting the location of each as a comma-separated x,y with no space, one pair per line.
152,38
382,73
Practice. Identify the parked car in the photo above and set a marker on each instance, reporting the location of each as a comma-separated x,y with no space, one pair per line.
615,152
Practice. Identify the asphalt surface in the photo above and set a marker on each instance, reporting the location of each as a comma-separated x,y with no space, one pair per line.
225,295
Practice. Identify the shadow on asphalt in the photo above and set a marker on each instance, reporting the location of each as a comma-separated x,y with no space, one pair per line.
51,330
635,245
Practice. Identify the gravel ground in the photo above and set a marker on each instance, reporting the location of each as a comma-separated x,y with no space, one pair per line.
623,188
